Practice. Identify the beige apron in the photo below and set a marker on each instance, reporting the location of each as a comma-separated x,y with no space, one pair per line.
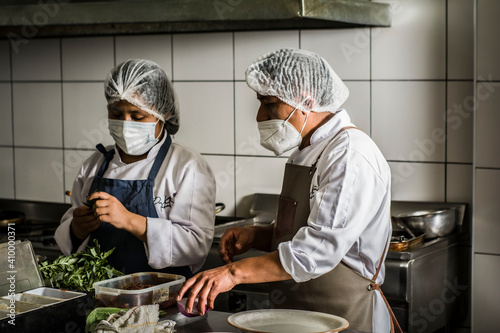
342,291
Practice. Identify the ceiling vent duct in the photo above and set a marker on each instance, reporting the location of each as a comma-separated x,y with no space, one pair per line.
29,18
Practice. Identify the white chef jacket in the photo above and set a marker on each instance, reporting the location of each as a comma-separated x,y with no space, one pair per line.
350,209
184,191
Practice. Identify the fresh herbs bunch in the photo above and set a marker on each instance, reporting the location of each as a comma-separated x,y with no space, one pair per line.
79,271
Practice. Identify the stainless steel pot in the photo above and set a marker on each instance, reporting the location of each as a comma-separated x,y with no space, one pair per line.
433,222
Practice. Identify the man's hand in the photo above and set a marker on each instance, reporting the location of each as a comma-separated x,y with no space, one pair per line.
235,241
206,286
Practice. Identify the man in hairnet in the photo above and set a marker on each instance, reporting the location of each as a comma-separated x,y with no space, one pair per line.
332,229
148,197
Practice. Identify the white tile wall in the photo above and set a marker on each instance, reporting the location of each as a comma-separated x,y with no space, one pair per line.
39,174
87,58
347,51
256,175
37,60
460,39
37,114
203,56
4,60
358,104
223,168
486,293
488,48
73,160
417,181
206,116
408,120
488,121
460,122
248,46
7,172
5,114
85,115
487,211
157,48
415,45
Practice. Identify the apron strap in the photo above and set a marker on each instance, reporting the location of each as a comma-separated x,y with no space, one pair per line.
108,156
381,261
160,157
395,328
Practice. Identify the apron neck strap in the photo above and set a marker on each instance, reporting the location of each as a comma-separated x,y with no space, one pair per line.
108,156
160,157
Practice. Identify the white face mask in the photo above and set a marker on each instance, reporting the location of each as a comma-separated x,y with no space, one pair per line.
133,137
279,135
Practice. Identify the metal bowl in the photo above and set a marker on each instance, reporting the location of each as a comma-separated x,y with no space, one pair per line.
433,222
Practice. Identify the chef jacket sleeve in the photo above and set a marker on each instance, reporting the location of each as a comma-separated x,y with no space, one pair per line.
349,192
185,236
79,193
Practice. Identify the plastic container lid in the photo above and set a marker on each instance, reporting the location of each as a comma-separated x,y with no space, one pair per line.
18,268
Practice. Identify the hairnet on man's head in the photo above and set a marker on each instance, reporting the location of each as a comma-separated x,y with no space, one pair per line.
144,84
300,78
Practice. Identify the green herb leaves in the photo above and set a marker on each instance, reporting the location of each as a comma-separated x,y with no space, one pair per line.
79,271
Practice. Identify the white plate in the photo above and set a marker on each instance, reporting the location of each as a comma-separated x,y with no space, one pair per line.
287,321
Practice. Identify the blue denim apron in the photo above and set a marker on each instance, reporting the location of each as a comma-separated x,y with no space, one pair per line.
137,196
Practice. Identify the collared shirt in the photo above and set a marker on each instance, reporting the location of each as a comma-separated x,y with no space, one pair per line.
350,198
184,198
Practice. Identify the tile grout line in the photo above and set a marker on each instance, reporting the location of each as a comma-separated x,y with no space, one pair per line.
371,86
12,120
446,105
62,119
234,123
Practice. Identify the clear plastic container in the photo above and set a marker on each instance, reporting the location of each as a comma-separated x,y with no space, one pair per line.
139,289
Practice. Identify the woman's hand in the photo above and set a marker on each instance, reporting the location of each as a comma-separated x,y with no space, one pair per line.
109,209
84,222
206,286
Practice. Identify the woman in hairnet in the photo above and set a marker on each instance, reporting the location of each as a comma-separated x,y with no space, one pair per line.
332,229
150,199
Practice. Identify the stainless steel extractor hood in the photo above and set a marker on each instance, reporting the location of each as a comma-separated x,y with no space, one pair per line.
26,18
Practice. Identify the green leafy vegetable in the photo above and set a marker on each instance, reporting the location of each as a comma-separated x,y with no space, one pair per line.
79,271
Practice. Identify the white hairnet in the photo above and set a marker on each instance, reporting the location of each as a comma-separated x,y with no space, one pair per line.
144,84
292,75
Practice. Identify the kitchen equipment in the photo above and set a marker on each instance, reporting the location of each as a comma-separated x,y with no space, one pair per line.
290,321
419,279
139,289
26,302
433,222
400,243
219,207
149,16
10,218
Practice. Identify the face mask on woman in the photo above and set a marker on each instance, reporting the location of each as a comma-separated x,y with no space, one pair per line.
134,138
279,135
